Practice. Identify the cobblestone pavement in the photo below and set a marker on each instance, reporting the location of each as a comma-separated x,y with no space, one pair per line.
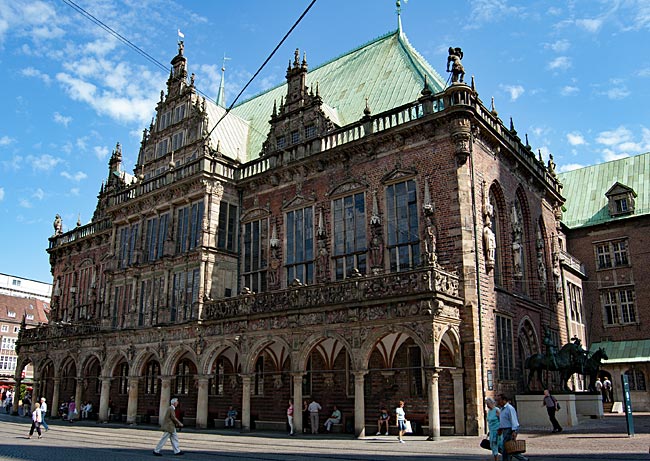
604,439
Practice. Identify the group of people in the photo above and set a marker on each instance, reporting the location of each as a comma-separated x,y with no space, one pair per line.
604,387
38,414
311,417
503,425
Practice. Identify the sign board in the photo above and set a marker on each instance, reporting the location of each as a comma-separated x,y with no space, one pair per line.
627,405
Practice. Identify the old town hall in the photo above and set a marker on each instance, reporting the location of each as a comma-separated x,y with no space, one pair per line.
362,233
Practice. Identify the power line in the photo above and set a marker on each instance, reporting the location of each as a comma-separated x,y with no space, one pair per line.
262,66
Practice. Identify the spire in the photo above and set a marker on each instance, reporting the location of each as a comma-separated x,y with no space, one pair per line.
221,96
398,4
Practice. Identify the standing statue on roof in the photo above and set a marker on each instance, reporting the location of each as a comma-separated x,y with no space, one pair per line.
58,225
457,69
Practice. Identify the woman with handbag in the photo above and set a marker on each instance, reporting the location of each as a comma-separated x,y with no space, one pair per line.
552,407
493,426
37,419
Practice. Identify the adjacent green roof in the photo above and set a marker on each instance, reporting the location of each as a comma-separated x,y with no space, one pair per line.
625,351
584,190
388,71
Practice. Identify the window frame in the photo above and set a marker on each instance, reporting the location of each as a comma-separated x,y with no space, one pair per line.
350,242
505,348
402,218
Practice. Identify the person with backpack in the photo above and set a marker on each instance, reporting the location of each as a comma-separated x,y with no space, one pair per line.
552,407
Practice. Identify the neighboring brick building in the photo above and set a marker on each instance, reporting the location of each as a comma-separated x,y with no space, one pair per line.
608,220
14,310
361,234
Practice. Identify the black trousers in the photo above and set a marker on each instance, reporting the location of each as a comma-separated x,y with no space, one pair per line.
36,426
551,416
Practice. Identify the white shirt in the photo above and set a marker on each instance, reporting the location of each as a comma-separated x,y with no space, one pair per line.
401,415
314,407
43,407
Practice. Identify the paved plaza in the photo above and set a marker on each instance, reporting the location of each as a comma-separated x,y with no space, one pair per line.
604,439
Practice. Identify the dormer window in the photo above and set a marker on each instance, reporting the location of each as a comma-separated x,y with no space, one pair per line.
620,200
11,314
310,131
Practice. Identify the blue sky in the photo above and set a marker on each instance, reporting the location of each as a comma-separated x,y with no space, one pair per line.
574,75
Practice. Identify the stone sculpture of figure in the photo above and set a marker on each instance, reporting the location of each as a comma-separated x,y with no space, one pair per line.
490,243
58,225
551,349
457,69
376,248
517,250
430,241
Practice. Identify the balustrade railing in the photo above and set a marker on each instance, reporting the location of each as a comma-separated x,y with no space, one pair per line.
351,291
79,232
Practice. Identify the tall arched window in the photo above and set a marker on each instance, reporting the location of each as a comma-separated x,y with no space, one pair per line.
183,377
519,243
152,373
636,379
124,378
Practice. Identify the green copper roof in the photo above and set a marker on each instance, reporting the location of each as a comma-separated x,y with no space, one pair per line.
584,190
625,351
388,71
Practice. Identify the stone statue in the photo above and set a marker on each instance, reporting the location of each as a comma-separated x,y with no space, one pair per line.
457,69
58,225
430,241
490,244
376,248
517,249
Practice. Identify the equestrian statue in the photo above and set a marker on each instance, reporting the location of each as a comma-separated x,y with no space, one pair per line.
571,358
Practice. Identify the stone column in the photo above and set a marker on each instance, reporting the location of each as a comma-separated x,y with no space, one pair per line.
297,402
77,396
54,404
14,407
202,403
359,404
132,408
246,403
434,405
459,402
104,397
165,396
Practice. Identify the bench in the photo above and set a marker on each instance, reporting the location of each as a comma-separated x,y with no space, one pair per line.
261,425
220,423
191,422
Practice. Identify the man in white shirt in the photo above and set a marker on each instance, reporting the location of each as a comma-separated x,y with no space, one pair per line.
313,409
508,425
43,412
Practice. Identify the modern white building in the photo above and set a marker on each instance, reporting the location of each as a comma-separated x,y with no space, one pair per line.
25,288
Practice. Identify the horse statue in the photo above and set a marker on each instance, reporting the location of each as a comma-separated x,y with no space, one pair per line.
590,368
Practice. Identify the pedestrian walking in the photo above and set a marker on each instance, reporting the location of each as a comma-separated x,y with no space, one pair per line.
508,426
493,427
37,418
168,426
552,407
400,421
44,413
290,417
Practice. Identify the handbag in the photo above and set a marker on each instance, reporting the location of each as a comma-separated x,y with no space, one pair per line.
485,443
513,447
409,429
557,406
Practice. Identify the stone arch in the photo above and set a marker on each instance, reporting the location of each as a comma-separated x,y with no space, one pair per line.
497,200
143,357
450,339
211,353
521,206
371,341
68,375
111,362
313,341
176,354
529,337
86,359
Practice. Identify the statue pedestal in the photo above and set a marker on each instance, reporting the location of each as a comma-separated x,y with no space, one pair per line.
532,414
589,405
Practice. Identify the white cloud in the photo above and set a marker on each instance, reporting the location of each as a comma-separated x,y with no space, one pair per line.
590,25
2,194
75,191
15,163
560,63
569,90
621,143
43,162
101,152
645,72
488,11
515,91
575,139
569,167
6,140
78,176
62,119
617,93
23,202
609,155
614,137
35,73
38,194
559,46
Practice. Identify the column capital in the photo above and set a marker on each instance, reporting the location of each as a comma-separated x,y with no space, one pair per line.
360,373
297,374
457,373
